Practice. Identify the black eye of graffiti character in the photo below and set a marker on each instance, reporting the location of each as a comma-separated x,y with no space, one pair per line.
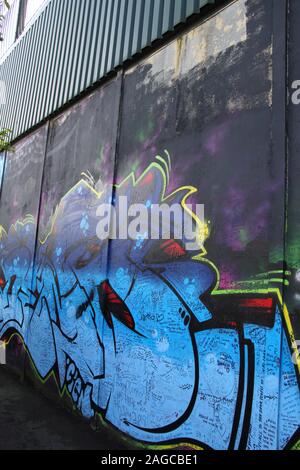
112,304
165,251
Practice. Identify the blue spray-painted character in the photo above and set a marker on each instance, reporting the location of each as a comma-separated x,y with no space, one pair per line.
138,331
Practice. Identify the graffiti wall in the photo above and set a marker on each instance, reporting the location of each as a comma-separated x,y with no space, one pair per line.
163,344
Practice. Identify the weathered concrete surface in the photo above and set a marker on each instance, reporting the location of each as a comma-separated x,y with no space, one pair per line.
29,421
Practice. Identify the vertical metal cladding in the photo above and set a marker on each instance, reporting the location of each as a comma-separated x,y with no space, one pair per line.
73,44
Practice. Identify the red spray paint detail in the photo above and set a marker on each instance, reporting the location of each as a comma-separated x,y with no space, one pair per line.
257,303
112,304
173,249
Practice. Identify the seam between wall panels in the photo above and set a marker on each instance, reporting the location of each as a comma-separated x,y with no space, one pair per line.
117,147
286,156
120,76
285,205
47,131
2,177
286,197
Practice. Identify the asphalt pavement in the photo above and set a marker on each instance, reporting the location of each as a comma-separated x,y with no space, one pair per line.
30,421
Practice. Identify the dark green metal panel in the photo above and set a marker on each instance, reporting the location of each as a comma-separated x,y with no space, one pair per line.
73,44
138,27
158,10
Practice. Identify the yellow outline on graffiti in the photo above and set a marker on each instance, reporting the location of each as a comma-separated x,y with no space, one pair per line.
160,159
202,234
199,257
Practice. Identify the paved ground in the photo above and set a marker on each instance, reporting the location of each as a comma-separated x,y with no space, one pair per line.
30,421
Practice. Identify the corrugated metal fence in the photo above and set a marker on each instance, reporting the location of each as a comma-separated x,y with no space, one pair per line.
72,44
